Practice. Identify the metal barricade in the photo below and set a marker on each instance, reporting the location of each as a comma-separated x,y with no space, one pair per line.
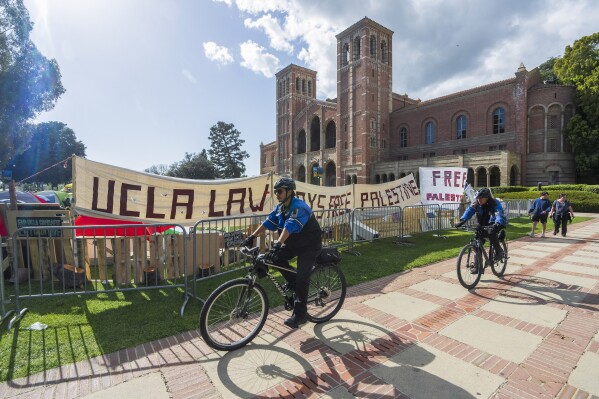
335,225
74,260
5,313
369,224
451,212
421,219
517,208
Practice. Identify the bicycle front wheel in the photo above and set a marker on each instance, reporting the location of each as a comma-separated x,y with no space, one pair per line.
326,292
499,265
233,314
469,267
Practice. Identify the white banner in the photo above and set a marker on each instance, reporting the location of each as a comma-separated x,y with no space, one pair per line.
441,185
107,191
102,190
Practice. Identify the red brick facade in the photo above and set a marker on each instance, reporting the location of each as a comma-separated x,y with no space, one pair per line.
506,133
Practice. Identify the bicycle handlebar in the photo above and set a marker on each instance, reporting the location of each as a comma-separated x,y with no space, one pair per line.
247,251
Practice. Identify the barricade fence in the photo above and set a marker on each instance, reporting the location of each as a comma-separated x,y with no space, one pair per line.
67,260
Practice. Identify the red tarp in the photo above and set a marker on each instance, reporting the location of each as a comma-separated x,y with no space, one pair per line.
109,231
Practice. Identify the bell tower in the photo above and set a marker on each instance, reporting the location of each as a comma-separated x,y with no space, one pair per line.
364,89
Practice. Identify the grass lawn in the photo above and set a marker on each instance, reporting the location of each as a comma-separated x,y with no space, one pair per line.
85,326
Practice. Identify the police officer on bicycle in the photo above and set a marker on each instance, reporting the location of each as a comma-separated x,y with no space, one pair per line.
299,235
489,212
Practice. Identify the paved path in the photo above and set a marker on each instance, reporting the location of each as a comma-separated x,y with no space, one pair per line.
417,334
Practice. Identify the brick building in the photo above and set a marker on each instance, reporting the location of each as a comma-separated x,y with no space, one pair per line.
506,133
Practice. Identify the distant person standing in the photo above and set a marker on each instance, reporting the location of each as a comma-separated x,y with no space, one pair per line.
562,213
539,211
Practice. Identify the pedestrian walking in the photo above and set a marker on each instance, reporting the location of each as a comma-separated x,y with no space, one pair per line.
561,213
539,211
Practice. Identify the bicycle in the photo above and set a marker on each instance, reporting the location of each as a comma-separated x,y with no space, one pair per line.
470,265
236,311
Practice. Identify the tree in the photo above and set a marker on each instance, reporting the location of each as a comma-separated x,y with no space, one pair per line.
51,142
29,82
193,166
160,169
580,67
225,150
547,71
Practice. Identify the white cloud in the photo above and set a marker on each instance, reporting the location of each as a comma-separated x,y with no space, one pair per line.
438,47
217,53
189,76
257,60
227,2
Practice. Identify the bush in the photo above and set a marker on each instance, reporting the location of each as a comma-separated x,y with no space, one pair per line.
563,187
582,201
509,189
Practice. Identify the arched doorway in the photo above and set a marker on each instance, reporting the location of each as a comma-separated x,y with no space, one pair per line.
377,179
315,134
402,175
315,174
514,176
470,176
495,177
347,180
354,179
391,177
385,178
330,175
301,174
481,177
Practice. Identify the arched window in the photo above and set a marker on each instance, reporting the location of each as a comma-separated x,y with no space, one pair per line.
331,135
514,176
315,134
297,85
309,88
377,179
301,174
330,175
391,177
373,47
481,178
301,142
470,176
430,133
498,121
403,137
461,125
304,86
347,180
385,178
384,51
280,88
356,48
354,179
345,55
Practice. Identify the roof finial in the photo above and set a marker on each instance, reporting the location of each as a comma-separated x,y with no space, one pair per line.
521,68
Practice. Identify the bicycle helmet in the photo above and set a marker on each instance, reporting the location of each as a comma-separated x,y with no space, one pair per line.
286,183
484,193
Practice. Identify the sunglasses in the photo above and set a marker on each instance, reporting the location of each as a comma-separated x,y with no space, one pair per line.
279,191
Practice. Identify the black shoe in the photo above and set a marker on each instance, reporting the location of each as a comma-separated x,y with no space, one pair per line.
295,321
555,233
563,235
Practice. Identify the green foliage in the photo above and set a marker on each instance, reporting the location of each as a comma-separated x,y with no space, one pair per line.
193,166
564,187
225,150
160,169
51,142
508,189
547,71
582,201
580,67
29,82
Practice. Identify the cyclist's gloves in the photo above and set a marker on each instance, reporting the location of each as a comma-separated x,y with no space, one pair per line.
248,242
460,223
496,228
274,250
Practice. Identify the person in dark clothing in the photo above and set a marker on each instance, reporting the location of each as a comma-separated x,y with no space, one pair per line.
562,213
488,212
539,210
299,235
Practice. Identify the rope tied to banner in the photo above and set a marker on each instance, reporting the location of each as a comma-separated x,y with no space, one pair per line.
64,162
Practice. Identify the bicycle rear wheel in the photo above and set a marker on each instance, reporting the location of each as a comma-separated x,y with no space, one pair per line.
469,267
499,265
233,314
326,292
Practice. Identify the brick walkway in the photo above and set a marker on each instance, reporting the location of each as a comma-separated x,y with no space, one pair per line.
410,335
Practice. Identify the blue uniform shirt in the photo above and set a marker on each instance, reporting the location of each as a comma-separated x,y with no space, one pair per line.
293,218
489,213
540,207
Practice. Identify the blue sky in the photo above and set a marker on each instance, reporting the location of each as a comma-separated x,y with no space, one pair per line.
146,79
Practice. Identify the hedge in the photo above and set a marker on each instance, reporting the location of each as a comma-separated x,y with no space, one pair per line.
582,201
